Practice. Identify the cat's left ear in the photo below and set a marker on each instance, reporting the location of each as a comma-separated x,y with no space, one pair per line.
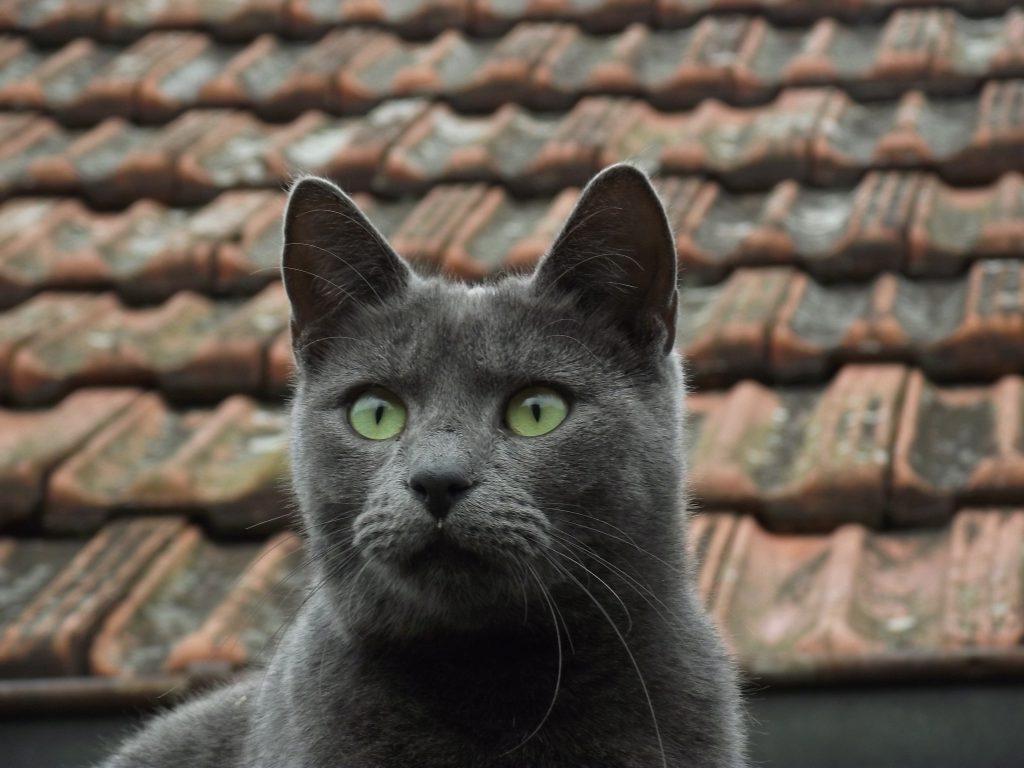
334,263
616,253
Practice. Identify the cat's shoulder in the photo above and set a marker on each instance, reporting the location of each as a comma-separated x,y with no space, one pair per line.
207,732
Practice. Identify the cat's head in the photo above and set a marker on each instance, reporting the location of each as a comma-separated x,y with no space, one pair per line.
457,447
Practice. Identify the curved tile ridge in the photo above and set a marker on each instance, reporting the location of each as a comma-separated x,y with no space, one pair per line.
858,604
738,59
854,604
243,19
878,445
815,136
890,222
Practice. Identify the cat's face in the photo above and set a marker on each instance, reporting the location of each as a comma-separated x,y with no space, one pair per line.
457,448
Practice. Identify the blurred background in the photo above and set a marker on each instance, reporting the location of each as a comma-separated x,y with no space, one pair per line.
843,177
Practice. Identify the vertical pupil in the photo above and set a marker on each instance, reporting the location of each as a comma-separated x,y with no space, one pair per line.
535,410
378,413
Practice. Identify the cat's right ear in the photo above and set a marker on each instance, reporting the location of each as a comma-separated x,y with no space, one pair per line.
334,262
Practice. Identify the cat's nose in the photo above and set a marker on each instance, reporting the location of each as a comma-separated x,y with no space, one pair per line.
439,488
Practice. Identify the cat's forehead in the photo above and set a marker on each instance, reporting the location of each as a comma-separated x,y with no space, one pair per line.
443,329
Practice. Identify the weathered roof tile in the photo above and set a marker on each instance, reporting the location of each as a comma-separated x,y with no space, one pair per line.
190,347
952,226
169,600
856,603
51,634
244,626
33,443
802,458
226,465
956,446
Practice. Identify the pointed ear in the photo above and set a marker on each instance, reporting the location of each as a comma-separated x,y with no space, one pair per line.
334,262
616,253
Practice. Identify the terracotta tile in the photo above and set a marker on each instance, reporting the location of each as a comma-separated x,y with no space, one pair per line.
33,443
175,82
854,604
710,539
189,347
228,358
418,18
39,315
955,446
857,321
492,229
980,48
389,67
982,339
58,252
59,82
850,135
805,459
227,465
113,90
149,170
26,139
748,147
491,16
252,75
309,78
837,236
152,252
27,566
427,231
244,626
970,140
237,152
229,19
710,59
904,52
350,150
56,21
168,601
19,60
983,603
953,328
500,72
724,331
577,63
598,131
721,230
252,256
111,347
687,202
445,147
950,227
524,254
90,160
51,635
280,365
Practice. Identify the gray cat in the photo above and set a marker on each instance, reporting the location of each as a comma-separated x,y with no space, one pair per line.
491,480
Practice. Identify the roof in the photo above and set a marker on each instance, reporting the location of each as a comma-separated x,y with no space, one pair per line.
844,181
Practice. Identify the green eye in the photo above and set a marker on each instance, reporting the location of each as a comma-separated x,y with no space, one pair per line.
377,414
535,411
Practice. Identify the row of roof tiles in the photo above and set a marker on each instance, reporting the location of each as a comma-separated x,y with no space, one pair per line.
407,146
772,324
166,601
544,66
879,445
241,19
890,222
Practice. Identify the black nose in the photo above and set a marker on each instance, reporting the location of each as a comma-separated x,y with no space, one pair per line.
439,488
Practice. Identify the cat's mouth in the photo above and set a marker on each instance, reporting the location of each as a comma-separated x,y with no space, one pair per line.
441,553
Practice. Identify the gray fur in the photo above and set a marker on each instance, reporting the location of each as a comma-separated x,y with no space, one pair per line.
560,628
